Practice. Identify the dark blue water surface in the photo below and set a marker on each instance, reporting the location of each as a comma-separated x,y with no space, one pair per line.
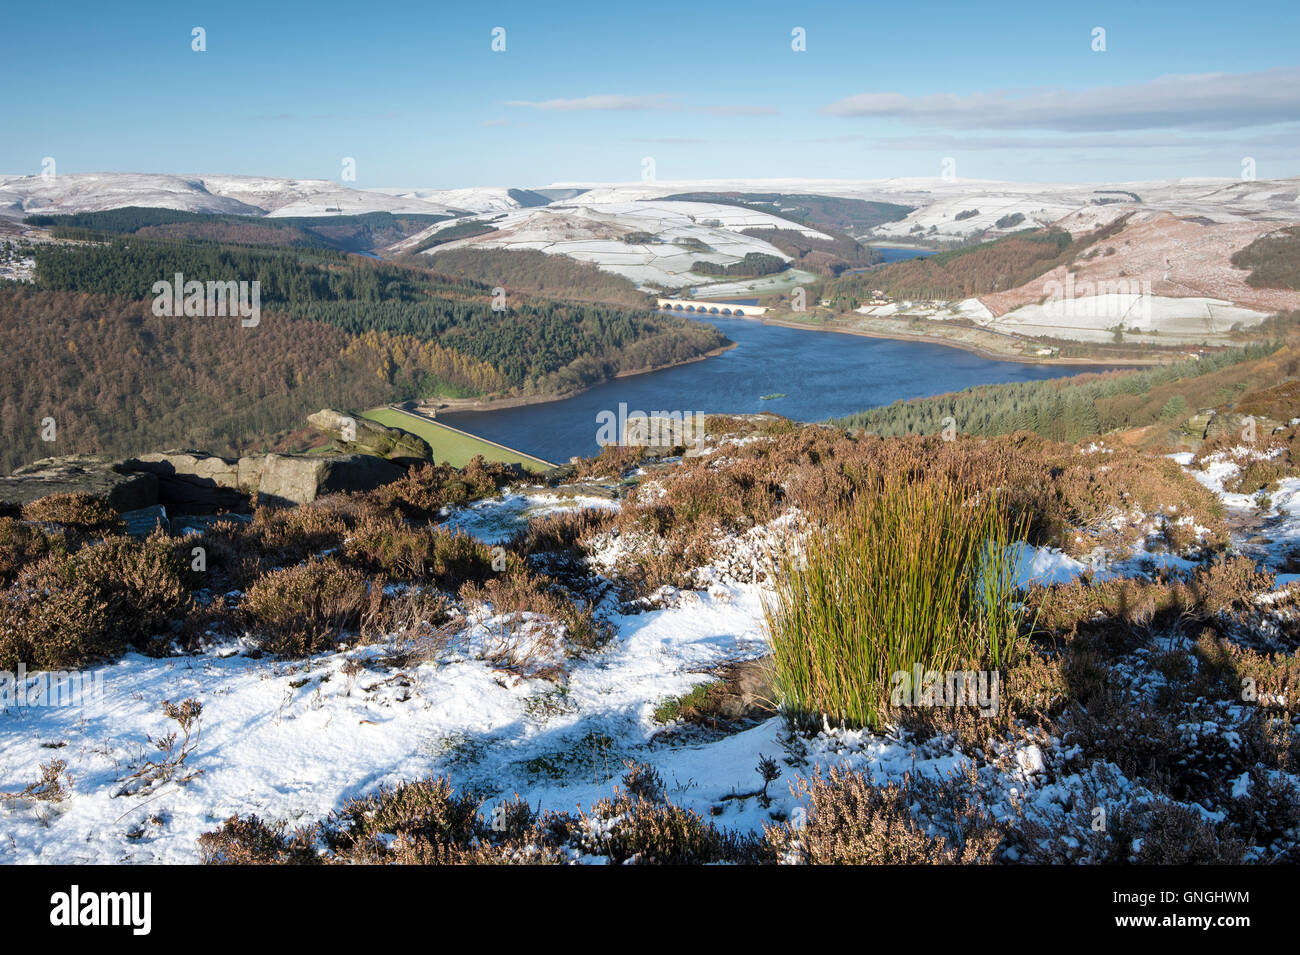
822,374
892,255
898,255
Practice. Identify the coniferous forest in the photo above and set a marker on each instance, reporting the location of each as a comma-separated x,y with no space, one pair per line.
84,347
1071,409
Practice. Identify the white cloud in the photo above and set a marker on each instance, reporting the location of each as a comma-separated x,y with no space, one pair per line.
1205,101
1284,138
740,110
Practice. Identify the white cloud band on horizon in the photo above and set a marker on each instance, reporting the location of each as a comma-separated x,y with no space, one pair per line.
1203,100
1279,138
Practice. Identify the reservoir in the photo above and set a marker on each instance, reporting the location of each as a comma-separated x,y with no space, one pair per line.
898,255
820,374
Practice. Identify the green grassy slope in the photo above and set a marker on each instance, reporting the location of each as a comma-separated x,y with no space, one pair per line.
450,445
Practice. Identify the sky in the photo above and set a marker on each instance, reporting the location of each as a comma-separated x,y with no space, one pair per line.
417,95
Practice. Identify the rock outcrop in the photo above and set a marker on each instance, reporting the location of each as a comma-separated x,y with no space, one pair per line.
1243,427
146,520
1197,424
298,479
124,489
197,482
357,435
194,480
190,482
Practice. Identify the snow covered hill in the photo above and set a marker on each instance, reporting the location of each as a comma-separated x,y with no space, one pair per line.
937,200
633,230
292,739
647,241
22,196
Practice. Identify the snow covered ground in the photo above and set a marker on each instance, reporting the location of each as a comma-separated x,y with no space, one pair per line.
1147,318
1144,318
477,200
497,520
1270,519
20,267
598,232
292,740
237,195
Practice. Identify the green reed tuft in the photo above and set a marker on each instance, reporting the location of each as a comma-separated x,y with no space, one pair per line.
924,572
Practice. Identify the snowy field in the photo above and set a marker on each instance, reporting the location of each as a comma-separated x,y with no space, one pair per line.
1147,318
684,233
292,740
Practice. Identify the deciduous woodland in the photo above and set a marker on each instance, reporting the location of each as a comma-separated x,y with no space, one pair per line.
84,347
528,270
973,270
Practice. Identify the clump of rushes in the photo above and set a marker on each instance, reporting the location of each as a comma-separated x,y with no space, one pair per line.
921,572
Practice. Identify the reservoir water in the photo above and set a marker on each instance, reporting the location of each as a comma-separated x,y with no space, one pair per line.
820,374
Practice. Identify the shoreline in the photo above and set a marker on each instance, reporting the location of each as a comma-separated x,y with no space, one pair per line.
457,405
964,346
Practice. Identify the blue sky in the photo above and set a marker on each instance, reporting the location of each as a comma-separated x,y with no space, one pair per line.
586,91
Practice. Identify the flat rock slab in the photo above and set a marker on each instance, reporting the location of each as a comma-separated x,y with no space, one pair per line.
567,492
743,694
81,473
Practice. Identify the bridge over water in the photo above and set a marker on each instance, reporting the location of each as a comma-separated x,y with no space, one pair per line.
726,309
